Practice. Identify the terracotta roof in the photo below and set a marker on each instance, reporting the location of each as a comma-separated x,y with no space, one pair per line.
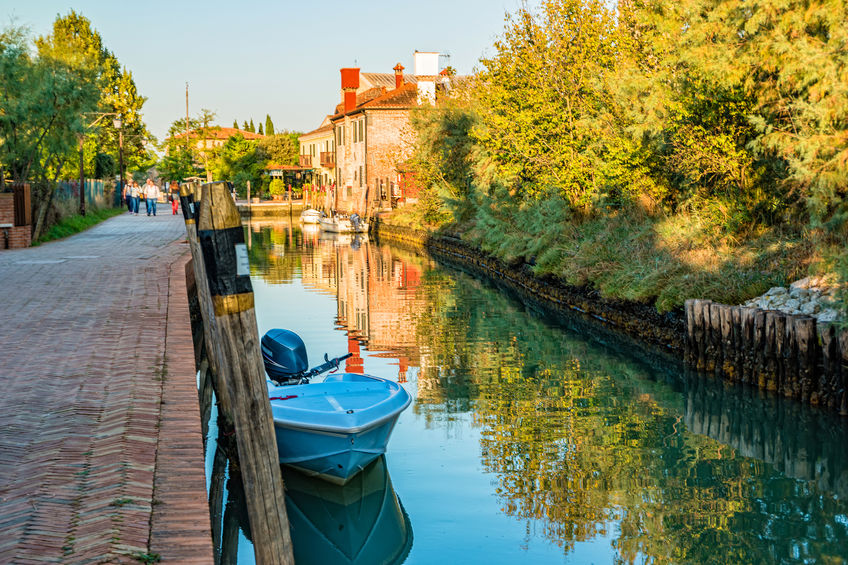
322,129
223,133
276,167
386,79
404,97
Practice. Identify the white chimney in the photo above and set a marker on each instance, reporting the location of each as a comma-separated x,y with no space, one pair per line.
426,71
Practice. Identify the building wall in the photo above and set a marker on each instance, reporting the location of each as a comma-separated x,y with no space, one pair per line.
314,145
18,236
390,138
350,162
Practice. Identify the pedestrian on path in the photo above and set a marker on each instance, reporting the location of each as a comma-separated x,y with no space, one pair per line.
135,195
174,197
151,194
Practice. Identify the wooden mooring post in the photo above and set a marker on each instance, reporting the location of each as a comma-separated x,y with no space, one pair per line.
771,350
225,256
213,350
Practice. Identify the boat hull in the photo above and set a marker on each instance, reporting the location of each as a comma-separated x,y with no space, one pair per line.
334,429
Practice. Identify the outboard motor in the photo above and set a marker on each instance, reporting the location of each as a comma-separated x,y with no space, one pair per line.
284,355
355,221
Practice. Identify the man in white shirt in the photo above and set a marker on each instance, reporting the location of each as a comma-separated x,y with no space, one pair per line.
151,194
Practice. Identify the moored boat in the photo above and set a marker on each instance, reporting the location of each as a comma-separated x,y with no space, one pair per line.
334,428
340,224
310,216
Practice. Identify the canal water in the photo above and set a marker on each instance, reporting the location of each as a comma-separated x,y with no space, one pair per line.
529,439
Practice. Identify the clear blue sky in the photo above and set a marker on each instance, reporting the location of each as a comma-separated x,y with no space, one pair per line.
247,58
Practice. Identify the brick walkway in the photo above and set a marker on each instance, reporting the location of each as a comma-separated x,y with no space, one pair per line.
101,456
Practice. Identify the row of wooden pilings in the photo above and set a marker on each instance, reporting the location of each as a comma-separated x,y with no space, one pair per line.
791,355
225,294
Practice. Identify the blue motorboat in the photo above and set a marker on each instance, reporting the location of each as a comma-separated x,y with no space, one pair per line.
334,428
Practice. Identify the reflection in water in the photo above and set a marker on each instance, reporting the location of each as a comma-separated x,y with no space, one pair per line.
583,441
361,522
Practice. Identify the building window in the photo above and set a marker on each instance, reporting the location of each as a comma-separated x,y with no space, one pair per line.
360,176
362,129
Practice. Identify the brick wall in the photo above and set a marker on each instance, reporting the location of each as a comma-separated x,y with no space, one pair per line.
18,236
390,138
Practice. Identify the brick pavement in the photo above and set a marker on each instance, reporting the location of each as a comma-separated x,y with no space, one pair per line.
101,456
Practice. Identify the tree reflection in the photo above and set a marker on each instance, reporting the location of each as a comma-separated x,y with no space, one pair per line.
585,442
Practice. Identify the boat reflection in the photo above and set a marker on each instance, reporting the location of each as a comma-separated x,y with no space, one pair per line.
361,522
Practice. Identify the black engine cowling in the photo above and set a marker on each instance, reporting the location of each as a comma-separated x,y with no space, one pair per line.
284,355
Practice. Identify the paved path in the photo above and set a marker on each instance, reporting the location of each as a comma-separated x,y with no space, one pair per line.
101,456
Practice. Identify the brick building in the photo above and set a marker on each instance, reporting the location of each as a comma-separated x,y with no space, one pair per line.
15,218
372,132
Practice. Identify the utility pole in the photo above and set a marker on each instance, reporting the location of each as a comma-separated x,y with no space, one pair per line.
186,121
119,192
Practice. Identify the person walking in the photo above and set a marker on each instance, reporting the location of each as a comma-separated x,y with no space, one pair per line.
126,196
135,195
174,196
151,194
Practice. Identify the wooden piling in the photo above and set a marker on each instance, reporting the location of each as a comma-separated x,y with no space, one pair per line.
738,358
759,336
791,386
806,339
830,365
842,393
728,364
213,350
225,254
747,344
701,312
769,348
779,341
715,362
689,311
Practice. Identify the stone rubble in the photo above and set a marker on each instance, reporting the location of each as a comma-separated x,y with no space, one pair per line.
812,296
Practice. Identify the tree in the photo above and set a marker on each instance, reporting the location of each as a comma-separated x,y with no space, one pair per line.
240,160
282,148
260,129
42,108
269,125
235,124
251,128
244,126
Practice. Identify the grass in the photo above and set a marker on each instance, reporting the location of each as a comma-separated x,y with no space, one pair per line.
648,258
74,224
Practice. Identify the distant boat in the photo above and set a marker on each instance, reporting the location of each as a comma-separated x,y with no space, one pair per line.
331,429
310,216
339,224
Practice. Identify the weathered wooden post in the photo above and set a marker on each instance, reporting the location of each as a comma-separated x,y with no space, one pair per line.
769,361
791,386
747,341
830,365
728,353
736,321
758,376
689,312
842,401
701,309
779,343
715,362
805,337
225,254
207,312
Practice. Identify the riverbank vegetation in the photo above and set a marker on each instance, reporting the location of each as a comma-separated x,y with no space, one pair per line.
658,152
60,95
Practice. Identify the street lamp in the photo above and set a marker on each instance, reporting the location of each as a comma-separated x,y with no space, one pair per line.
120,190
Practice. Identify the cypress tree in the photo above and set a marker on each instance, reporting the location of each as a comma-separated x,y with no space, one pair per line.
251,128
260,129
244,126
235,124
269,125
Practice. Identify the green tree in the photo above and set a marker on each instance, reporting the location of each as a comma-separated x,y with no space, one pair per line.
282,148
251,128
240,160
269,125
42,109
260,129
244,126
235,124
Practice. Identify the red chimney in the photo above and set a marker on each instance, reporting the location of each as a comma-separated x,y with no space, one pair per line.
350,83
398,75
